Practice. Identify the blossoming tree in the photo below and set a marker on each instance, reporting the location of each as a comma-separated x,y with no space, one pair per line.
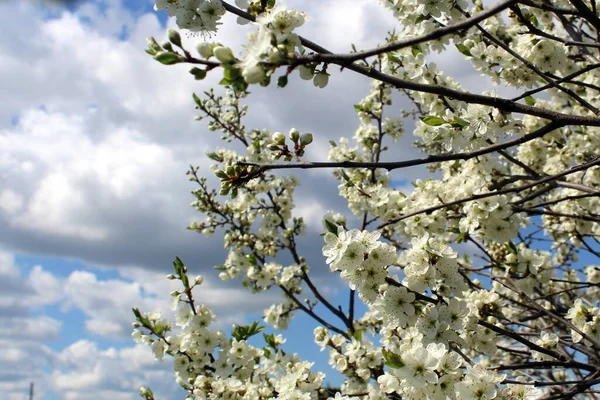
516,178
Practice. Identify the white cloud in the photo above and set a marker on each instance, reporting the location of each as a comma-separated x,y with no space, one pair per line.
83,369
34,328
10,201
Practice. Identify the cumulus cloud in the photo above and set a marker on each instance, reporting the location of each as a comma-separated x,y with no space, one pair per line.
85,368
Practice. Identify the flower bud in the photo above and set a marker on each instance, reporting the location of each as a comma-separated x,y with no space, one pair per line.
199,279
321,79
253,74
279,138
223,54
276,56
204,49
306,139
152,44
167,46
294,135
305,73
174,37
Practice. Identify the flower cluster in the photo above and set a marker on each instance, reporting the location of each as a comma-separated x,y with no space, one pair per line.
361,258
194,15
211,365
585,320
272,41
475,281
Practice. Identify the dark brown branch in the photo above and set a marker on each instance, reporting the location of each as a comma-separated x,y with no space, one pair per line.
503,104
392,165
402,44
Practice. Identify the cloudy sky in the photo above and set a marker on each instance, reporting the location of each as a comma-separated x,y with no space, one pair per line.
95,140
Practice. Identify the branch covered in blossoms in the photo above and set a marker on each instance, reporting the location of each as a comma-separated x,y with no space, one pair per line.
478,282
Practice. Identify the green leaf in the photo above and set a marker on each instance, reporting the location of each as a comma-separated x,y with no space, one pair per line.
459,123
530,101
137,313
432,121
392,360
511,247
358,335
394,59
231,73
270,3
422,18
416,50
453,229
267,352
239,85
461,237
167,58
179,267
332,143
244,332
198,73
331,227
464,50
270,340
196,99
252,259
225,82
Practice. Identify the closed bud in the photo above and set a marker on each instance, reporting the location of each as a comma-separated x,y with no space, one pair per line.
221,174
321,79
294,135
205,49
282,81
152,44
174,37
279,138
276,56
199,279
253,74
306,139
223,54
305,73
167,46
